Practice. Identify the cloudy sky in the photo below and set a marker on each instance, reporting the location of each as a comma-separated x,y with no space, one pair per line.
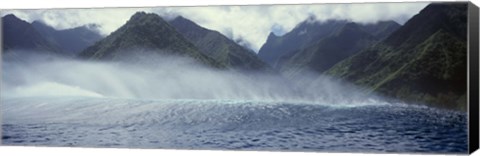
249,24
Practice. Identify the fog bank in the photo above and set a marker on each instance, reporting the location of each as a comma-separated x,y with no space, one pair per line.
25,74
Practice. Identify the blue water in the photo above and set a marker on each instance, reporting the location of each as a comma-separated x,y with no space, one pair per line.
230,124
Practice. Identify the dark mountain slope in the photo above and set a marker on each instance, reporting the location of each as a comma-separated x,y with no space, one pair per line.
449,17
73,40
327,52
21,35
278,49
219,47
381,29
340,44
143,34
424,62
300,37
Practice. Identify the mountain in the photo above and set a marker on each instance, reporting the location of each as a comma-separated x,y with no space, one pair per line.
146,34
301,36
219,47
327,44
21,35
330,50
381,29
278,49
72,40
423,62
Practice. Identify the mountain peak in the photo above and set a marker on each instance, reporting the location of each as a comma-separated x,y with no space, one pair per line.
138,15
444,7
272,36
11,17
447,16
143,18
145,33
180,18
19,34
38,22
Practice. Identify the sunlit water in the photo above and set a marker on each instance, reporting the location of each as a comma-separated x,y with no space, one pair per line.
231,124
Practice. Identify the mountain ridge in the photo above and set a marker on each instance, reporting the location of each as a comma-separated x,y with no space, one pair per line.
21,35
147,33
399,67
83,37
310,32
218,46
333,42
278,46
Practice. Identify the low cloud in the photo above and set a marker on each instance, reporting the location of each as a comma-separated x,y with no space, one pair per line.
157,76
249,24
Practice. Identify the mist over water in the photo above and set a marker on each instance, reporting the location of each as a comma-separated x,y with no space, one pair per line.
151,76
155,101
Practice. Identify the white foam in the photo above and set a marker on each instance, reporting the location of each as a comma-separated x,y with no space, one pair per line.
51,89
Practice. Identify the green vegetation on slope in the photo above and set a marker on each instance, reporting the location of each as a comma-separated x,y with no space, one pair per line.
424,62
148,32
327,52
219,47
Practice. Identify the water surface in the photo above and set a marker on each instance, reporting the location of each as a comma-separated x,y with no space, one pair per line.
232,124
